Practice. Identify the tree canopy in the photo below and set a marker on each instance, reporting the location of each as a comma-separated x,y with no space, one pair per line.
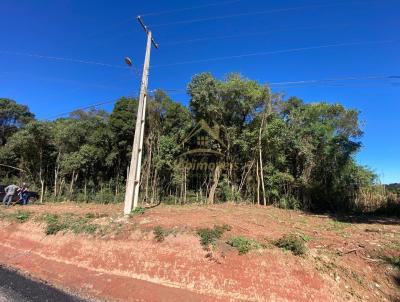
271,150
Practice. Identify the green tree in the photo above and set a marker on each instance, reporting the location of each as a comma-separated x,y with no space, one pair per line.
12,117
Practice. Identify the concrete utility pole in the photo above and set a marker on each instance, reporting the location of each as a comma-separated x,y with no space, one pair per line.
133,181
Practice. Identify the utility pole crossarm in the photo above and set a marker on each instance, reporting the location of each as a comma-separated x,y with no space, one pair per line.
133,181
146,30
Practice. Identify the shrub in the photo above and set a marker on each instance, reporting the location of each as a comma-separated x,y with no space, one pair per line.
77,225
20,216
54,227
138,211
90,215
81,225
244,245
159,234
289,202
209,236
393,261
291,243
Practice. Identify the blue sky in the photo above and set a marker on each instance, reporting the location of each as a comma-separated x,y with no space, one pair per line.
106,32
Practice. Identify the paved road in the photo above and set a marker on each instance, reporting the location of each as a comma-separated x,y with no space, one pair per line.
17,288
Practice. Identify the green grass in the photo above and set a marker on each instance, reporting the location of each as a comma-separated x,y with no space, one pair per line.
392,260
244,245
90,215
19,216
161,233
338,225
307,238
138,211
210,236
292,243
68,222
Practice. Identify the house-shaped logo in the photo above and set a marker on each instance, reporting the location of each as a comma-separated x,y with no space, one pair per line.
204,140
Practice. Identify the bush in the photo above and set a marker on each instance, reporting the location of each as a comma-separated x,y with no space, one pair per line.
291,243
54,227
244,245
138,211
70,222
289,202
20,216
393,261
209,236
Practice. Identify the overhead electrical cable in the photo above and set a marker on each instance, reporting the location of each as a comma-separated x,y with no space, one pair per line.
189,8
310,82
282,51
262,12
375,77
82,108
207,38
63,59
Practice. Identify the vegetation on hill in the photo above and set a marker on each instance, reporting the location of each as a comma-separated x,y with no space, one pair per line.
394,188
265,149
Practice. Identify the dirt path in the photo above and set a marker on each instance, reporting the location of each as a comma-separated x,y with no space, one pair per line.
126,264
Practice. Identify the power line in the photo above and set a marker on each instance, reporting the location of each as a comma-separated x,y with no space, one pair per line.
276,84
308,82
278,10
63,59
189,8
81,108
276,52
377,77
90,106
207,38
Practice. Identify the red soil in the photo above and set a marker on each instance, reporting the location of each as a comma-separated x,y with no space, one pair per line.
126,264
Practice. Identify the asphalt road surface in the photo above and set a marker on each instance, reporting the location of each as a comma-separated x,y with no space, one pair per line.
17,288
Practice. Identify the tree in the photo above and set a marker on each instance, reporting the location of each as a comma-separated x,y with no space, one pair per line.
32,150
12,117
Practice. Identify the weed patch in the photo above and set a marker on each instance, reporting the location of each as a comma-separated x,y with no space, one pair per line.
138,211
292,243
307,238
20,216
392,260
244,245
78,225
160,233
337,225
210,236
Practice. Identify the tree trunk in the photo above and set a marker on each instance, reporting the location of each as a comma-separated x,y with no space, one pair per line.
149,159
217,174
41,190
85,191
41,185
184,185
56,170
153,189
260,158
258,183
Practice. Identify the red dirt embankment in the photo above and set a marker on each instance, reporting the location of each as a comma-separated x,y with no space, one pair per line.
123,262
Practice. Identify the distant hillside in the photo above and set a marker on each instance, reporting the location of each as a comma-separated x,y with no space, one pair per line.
395,187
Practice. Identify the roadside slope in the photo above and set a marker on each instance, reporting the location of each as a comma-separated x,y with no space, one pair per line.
123,262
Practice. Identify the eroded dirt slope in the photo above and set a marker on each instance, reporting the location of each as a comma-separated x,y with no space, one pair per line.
347,258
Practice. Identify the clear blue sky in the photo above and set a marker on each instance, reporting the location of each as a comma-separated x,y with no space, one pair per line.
106,31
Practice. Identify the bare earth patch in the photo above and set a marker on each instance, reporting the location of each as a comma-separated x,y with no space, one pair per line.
346,257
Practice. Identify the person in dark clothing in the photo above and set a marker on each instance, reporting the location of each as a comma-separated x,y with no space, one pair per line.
23,194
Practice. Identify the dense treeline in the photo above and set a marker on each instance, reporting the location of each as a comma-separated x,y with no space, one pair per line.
255,146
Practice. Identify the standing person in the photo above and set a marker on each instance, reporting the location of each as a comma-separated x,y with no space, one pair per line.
10,191
22,192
